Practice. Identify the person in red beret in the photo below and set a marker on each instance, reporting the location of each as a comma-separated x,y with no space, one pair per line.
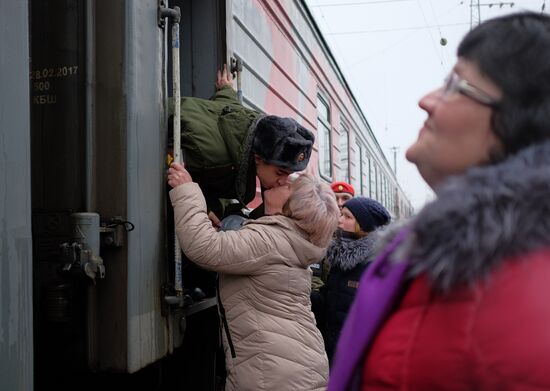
343,192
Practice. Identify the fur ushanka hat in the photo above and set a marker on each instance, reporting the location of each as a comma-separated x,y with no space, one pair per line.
283,142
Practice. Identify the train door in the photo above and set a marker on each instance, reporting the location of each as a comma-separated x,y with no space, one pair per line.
202,54
98,146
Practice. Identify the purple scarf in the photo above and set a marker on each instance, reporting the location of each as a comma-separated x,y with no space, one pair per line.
378,290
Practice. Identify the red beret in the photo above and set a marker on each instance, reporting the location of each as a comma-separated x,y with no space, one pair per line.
342,187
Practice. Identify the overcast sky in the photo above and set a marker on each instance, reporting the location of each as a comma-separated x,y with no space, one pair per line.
391,54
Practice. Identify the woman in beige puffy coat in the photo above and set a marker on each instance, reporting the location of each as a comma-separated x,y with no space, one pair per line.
265,280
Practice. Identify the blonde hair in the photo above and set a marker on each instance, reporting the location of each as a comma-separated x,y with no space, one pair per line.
313,207
359,232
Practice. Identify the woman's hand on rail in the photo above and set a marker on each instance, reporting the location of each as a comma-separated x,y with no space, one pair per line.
178,175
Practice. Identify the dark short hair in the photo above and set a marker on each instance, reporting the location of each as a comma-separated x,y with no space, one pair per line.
513,51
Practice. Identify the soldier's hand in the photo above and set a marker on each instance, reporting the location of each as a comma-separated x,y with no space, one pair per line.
225,78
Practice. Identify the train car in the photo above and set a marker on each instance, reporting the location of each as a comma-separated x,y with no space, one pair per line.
87,273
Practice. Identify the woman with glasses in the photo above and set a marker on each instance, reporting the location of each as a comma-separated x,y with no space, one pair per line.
459,297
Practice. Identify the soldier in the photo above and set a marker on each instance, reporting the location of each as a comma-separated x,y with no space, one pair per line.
226,146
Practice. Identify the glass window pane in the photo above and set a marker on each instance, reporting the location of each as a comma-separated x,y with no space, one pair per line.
365,173
322,109
344,155
361,171
387,190
323,132
372,179
376,183
325,164
355,168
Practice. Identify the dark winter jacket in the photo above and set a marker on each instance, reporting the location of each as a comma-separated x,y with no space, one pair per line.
474,314
348,257
217,137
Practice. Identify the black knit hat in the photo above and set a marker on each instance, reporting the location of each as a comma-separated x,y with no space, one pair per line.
283,142
370,214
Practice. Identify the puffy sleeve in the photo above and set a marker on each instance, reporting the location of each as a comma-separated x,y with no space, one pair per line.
234,252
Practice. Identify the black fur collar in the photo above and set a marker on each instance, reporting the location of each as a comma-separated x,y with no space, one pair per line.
346,251
481,218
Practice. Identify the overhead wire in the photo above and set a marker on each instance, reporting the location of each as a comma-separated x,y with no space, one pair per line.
371,116
431,36
359,3
442,40
398,29
356,91
407,37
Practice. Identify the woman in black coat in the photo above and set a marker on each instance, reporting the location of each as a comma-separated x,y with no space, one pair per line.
348,256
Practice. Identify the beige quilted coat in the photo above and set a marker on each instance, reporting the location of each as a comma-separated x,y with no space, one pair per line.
265,285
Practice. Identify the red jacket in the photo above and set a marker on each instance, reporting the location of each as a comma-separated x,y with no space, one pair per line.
494,335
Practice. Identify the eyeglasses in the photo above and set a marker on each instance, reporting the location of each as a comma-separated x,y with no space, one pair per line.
454,83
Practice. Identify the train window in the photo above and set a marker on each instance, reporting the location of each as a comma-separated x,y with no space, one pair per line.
364,172
323,133
376,183
382,200
392,198
344,154
355,174
385,191
361,170
379,184
372,177
388,195
382,189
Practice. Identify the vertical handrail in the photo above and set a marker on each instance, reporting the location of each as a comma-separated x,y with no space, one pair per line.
89,112
175,16
177,135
